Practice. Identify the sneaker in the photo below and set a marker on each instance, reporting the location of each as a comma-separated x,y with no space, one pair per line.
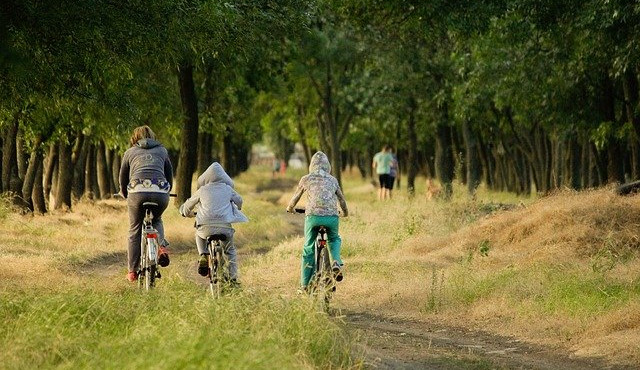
234,283
337,271
163,257
301,290
203,265
132,276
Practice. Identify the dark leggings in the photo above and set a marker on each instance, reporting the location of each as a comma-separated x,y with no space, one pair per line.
136,217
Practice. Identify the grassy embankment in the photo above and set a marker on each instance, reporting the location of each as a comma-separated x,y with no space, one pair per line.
562,270
64,301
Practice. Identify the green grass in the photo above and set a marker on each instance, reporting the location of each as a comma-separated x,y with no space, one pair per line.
539,290
179,326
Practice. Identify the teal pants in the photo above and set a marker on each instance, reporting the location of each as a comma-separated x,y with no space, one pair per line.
311,222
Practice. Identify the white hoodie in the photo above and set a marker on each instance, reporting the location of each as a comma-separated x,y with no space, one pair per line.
217,202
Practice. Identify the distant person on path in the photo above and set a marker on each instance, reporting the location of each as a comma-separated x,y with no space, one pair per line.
394,171
323,196
146,175
276,167
382,165
218,206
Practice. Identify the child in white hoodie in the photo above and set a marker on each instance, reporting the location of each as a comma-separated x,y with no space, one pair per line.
218,207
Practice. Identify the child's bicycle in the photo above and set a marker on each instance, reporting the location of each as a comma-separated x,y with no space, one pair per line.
217,263
149,245
323,282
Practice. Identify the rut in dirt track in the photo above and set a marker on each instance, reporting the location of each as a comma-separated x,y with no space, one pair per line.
388,343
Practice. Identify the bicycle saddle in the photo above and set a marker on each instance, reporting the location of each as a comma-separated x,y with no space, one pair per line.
149,204
214,237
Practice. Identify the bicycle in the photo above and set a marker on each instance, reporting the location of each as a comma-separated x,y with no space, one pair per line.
148,271
217,263
323,282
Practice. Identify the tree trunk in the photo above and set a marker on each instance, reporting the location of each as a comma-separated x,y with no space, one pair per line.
90,181
79,160
632,100
109,156
412,162
444,156
9,160
37,193
21,158
575,163
615,168
302,134
50,170
635,158
205,145
115,170
226,154
473,159
65,177
103,171
189,144
30,175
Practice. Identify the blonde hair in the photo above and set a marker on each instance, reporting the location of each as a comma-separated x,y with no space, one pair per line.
141,132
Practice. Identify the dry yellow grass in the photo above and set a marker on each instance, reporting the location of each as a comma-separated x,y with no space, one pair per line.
460,262
420,259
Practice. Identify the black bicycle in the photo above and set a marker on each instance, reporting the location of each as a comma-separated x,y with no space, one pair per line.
323,282
217,263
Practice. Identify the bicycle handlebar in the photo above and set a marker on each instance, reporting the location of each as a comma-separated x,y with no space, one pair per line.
302,210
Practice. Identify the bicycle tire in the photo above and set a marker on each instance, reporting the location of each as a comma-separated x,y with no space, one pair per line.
324,280
150,268
215,269
142,270
150,281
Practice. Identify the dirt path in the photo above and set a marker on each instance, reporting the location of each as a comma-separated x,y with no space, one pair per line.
387,343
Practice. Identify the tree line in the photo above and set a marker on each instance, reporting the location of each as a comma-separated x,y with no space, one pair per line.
520,95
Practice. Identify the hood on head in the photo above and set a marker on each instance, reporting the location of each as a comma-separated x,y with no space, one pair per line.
215,173
147,143
319,161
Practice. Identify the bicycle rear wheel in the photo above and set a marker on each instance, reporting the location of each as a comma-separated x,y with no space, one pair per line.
324,279
216,264
142,270
150,265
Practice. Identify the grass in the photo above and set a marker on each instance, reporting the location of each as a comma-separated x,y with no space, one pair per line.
64,302
174,327
561,270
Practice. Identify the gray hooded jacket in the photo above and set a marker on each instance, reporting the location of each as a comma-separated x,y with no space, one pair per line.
147,160
217,202
323,190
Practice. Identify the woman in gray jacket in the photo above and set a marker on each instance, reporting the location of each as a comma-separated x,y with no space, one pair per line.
146,175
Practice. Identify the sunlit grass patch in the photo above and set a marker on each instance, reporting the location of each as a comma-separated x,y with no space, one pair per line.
176,327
